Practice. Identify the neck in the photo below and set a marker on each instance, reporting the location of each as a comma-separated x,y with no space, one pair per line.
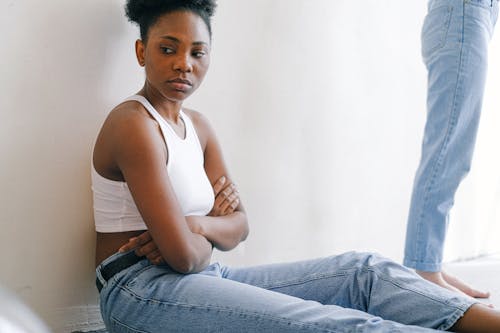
170,110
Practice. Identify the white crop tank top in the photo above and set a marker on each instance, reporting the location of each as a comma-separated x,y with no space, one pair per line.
114,207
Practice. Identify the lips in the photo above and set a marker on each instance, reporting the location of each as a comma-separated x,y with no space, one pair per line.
182,81
180,84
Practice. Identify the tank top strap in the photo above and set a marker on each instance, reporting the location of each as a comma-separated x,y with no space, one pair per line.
190,131
191,134
168,131
148,106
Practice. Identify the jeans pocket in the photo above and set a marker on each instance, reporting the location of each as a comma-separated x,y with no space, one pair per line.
481,3
435,30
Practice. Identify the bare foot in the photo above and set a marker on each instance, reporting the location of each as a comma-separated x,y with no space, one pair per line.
450,282
463,287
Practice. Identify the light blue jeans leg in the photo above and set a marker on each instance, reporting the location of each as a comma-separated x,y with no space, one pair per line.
353,292
455,39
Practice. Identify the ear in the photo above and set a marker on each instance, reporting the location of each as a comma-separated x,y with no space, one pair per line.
139,52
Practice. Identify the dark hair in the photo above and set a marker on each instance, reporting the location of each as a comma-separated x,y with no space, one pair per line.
145,13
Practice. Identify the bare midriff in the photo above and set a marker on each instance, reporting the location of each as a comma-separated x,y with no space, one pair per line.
109,243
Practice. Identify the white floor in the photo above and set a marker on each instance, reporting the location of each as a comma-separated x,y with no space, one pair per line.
482,273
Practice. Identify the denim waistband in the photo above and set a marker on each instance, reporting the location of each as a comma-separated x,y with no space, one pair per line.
113,265
483,2
493,4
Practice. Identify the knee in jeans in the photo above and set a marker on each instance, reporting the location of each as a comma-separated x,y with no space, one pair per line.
371,259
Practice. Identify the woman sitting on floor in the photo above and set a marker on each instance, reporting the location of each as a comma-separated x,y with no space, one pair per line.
159,179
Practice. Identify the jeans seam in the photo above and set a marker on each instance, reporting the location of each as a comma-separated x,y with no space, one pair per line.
388,279
295,282
119,323
451,126
450,321
137,273
228,310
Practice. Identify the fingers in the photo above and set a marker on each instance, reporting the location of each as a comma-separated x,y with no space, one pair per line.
232,207
219,185
229,202
144,246
226,201
134,242
130,245
224,195
144,238
146,249
155,257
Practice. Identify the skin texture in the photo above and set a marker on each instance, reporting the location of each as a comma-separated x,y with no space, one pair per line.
478,319
130,148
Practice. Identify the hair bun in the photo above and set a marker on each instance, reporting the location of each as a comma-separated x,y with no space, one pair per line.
207,5
136,10
145,12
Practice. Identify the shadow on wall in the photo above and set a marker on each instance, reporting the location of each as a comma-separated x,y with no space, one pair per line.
60,81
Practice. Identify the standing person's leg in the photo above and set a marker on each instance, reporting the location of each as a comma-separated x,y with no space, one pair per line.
365,282
455,39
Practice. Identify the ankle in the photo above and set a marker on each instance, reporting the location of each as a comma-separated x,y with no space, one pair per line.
479,318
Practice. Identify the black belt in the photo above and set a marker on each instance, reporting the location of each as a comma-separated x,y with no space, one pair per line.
110,269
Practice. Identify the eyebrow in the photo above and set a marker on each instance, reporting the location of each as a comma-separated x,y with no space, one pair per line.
177,41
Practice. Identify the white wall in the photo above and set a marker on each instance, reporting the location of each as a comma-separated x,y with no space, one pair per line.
64,64
319,105
475,220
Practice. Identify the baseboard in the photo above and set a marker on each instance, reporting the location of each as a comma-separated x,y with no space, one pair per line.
82,318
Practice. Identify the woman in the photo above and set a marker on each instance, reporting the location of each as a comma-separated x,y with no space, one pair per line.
154,165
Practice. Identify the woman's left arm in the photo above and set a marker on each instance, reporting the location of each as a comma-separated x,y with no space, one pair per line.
224,231
226,225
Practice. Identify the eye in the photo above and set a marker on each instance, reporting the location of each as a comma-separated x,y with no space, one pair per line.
199,54
166,50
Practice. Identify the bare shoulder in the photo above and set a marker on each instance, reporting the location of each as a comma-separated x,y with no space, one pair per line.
128,120
201,124
127,128
197,118
129,113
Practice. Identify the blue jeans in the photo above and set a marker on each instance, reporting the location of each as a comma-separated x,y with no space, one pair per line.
455,39
352,292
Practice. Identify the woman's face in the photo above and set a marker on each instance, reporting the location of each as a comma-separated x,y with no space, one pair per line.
176,55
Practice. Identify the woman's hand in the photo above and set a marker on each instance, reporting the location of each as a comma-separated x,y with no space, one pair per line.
227,198
144,246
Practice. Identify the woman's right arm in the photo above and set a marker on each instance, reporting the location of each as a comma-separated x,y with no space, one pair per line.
226,201
138,149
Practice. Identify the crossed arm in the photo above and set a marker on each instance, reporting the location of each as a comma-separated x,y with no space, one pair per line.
217,227
139,154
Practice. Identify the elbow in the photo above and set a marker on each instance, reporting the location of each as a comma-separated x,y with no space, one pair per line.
188,262
246,231
234,241
184,266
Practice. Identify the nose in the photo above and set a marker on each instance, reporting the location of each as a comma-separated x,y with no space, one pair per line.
183,63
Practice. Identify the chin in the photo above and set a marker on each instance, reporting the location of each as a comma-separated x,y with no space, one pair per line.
178,96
